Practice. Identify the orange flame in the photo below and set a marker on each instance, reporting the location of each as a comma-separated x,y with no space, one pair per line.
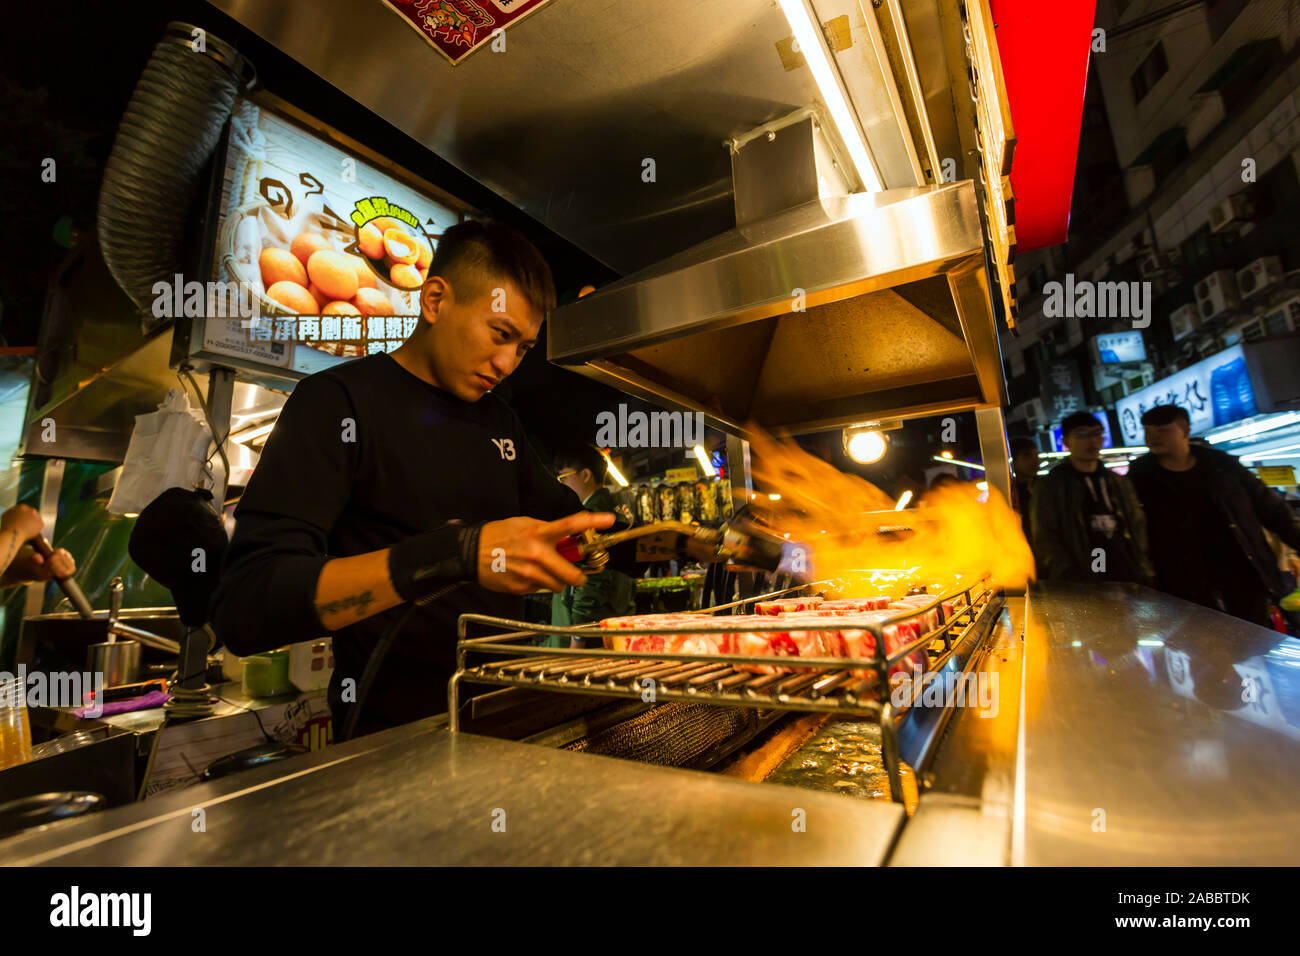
849,526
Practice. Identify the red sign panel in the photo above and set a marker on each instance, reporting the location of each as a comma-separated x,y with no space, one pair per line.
1044,47
456,28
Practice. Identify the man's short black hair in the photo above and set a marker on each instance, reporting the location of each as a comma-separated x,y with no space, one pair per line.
1078,420
580,457
474,254
1023,446
1166,414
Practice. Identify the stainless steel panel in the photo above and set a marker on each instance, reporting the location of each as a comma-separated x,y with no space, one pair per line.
560,122
967,804
95,422
920,118
885,58
994,452
786,164
892,285
48,506
419,795
934,30
221,393
1142,744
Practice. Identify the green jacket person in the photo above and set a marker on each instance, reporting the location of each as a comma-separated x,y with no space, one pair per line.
609,593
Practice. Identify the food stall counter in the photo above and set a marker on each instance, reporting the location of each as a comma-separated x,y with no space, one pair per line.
1142,730
419,795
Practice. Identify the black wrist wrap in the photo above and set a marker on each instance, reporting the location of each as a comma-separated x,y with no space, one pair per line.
425,562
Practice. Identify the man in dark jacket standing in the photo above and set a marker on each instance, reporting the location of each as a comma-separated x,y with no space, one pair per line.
1207,513
1087,522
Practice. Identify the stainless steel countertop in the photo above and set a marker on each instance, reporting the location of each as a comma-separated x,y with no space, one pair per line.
420,795
1148,731
1138,747
1122,738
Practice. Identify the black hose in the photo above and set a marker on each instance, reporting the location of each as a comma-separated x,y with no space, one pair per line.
166,138
380,651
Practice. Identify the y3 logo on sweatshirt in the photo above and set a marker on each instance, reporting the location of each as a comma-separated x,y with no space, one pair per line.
506,446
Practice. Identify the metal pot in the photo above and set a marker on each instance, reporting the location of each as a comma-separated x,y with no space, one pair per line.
118,661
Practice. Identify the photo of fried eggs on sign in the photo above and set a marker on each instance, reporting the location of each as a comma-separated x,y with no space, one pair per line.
315,232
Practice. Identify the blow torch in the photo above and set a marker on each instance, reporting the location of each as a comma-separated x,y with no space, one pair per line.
734,541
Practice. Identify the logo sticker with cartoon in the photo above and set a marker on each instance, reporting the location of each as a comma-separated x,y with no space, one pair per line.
456,28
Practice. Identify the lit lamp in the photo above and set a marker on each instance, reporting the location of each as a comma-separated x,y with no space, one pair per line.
865,445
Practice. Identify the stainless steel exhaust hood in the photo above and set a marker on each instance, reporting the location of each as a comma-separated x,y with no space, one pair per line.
819,309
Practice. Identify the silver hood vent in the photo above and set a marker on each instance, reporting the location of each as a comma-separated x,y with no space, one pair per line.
821,308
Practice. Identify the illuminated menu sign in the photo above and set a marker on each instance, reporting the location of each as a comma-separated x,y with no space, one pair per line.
1116,347
1214,391
330,250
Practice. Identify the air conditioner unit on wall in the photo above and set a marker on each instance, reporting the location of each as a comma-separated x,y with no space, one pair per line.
1249,330
1283,318
1217,294
1231,212
1207,345
1259,275
1184,321
1035,414
1151,263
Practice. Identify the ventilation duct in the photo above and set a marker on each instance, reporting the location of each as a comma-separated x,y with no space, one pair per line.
164,142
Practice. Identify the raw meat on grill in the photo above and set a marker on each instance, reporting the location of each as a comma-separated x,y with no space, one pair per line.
811,633
779,643
786,605
860,642
931,618
853,605
709,635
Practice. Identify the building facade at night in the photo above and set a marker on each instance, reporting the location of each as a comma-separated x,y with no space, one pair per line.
1187,193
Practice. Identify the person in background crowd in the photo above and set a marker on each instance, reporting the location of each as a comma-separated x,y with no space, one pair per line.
1208,514
1024,464
609,593
1087,522
19,562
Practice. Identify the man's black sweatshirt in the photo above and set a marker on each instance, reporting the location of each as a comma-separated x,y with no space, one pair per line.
363,456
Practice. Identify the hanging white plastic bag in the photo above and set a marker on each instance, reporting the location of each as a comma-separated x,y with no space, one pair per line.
168,449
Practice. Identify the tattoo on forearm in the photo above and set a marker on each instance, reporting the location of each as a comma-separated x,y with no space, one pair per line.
9,551
359,601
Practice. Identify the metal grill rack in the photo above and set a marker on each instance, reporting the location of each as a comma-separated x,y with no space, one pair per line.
813,684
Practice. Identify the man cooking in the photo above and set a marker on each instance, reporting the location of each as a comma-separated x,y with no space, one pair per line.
397,476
